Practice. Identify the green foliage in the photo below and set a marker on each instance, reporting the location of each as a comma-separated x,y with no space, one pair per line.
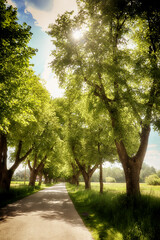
153,180
110,180
17,79
101,63
114,216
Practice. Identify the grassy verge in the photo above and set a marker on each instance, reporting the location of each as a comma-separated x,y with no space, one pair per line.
113,216
18,191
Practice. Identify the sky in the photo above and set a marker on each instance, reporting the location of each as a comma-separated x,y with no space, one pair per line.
39,14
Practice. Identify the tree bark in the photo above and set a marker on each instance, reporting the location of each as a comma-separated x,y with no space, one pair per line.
132,165
87,173
76,173
32,179
6,174
100,169
5,180
35,170
101,177
40,178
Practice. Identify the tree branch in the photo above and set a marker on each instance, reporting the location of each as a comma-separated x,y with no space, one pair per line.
143,143
29,165
18,159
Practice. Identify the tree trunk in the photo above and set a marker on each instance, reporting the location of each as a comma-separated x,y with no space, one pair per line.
101,177
46,179
5,179
34,171
5,174
75,179
132,173
132,165
77,183
40,178
32,179
87,180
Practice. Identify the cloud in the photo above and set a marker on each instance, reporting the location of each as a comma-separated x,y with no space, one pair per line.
44,18
152,146
46,5
10,2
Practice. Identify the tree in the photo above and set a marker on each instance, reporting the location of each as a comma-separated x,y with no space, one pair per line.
45,140
23,136
101,62
146,171
85,145
17,99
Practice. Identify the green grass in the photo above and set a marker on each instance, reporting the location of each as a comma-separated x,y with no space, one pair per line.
114,216
18,191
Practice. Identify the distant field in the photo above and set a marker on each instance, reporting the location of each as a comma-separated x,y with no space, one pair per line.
20,183
121,188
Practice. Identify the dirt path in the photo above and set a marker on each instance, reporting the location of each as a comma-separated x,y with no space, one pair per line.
48,215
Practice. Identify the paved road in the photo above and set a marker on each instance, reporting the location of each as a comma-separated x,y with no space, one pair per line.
48,215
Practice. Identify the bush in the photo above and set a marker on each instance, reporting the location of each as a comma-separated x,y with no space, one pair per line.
110,180
152,180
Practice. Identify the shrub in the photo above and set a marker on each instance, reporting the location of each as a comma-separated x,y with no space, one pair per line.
152,180
110,180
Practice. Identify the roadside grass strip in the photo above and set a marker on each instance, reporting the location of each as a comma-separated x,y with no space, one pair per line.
114,216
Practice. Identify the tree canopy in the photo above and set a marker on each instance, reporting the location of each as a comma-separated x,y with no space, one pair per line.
116,59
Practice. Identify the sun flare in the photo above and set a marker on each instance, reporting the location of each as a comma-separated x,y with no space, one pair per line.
77,34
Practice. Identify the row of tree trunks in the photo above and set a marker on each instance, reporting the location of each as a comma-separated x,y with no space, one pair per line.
35,170
76,173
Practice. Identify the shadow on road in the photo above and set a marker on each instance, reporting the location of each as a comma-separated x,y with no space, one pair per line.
50,204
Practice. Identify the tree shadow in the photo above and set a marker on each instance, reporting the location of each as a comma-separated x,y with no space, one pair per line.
121,217
50,204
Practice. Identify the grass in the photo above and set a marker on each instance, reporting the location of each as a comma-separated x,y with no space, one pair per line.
114,216
18,191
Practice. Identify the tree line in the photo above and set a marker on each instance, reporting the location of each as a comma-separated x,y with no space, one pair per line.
111,80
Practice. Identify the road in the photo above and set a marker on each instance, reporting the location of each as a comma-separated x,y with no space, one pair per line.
48,215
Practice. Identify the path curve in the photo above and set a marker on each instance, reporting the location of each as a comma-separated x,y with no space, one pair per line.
48,215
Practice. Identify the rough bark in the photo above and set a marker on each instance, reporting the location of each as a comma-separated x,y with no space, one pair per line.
87,179
76,174
35,170
100,169
87,173
40,178
132,165
101,177
32,179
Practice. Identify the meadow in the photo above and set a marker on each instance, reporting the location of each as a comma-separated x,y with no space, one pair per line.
114,216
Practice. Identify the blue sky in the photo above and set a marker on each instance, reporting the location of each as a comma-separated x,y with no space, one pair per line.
39,14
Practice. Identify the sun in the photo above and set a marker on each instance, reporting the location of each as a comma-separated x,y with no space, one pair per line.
77,34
